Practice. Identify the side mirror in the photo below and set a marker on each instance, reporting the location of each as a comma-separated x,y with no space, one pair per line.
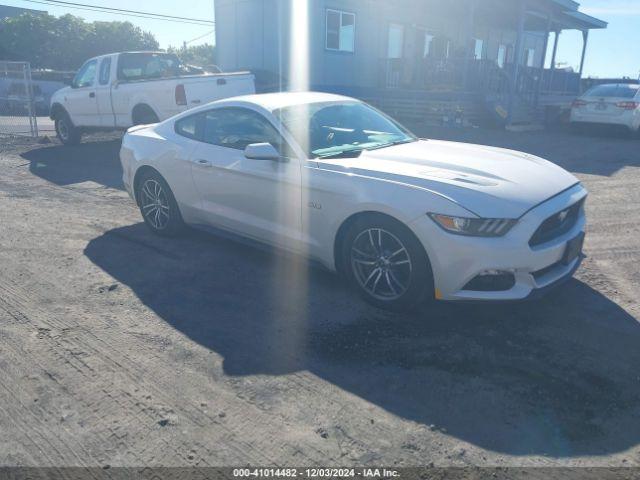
261,151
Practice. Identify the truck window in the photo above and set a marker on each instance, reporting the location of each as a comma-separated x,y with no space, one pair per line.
145,66
86,75
105,71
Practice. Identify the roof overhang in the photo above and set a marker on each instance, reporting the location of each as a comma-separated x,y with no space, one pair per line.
585,22
575,19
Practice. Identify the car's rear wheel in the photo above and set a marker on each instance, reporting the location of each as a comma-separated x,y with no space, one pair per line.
67,133
386,263
144,115
158,205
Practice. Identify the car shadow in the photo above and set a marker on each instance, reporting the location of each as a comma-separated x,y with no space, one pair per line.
557,377
96,161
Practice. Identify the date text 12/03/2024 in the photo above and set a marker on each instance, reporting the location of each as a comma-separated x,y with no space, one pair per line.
315,473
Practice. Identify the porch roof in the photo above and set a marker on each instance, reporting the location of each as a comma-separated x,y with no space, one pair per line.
575,19
582,21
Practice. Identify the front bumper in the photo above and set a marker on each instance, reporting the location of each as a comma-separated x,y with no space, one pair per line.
456,260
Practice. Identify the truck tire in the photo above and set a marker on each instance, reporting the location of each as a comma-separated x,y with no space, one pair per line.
67,133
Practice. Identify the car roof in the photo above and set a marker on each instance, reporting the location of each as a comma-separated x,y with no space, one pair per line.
274,101
634,86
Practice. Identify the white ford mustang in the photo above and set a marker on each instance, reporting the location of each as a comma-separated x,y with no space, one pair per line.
330,177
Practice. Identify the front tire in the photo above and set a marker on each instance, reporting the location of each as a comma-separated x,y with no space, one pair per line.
67,133
158,206
385,262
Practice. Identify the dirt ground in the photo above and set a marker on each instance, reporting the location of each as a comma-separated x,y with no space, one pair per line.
119,348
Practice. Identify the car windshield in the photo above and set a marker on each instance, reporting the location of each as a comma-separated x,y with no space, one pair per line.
332,129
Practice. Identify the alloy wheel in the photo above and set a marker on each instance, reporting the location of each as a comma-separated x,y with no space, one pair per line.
155,204
381,264
63,129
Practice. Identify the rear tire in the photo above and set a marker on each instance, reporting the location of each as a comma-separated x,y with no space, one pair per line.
144,115
158,206
386,264
67,133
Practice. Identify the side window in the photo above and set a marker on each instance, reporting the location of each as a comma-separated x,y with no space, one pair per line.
238,127
86,75
189,126
105,71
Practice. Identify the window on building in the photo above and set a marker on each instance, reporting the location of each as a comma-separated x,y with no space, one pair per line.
428,39
396,41
341,30
502,55
530,57
478,48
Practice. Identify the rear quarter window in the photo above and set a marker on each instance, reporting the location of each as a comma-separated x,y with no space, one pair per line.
189,127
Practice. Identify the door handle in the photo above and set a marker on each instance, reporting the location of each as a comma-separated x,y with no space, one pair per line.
203,163
92,95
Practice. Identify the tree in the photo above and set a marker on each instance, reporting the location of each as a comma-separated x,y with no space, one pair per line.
198,55
64,43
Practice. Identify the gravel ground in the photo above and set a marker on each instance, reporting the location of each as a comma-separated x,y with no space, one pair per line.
118,348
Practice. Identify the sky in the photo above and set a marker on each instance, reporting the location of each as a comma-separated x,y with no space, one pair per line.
611,53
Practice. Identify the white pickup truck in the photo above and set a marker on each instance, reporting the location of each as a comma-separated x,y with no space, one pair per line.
120,90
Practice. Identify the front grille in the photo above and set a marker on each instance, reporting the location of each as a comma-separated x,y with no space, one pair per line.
556,225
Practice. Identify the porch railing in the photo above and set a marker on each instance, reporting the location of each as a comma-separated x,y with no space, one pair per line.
434,75
483,76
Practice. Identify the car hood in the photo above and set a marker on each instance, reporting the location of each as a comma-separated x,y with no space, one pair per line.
488,181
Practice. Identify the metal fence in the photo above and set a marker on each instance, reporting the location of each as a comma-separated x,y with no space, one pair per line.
18,100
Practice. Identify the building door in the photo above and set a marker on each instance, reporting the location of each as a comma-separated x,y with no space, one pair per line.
395,52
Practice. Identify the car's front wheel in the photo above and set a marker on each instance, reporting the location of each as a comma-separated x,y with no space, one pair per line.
158,205
386,263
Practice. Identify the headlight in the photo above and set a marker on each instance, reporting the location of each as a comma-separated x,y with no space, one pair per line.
474,227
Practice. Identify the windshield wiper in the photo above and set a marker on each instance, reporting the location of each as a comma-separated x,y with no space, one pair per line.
355,153
395,142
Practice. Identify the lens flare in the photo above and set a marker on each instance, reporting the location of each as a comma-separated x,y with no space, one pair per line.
290,283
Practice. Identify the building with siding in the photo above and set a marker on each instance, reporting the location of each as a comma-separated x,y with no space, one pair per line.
498,55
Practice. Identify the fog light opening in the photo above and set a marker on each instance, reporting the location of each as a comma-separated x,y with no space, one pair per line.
492,281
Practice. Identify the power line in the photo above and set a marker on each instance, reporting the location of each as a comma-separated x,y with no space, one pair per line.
119,11
129,11
198,38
